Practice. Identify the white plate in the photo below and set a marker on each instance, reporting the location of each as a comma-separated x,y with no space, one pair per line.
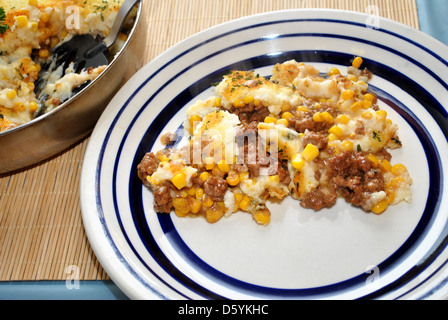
339,253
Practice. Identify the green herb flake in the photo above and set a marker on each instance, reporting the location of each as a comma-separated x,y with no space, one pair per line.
376,135
3,27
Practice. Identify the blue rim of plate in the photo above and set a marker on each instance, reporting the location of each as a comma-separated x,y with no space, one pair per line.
412,88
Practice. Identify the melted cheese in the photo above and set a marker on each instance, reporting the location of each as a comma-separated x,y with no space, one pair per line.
212,126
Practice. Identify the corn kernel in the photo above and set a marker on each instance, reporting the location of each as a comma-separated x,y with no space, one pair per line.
34,26
33,106
19,106
164,159
209,163
199,193
270,120
356,106
262,217
192,191
363,85
179,180
183,194
22,21
332,137
217,102
181,206
385,165
204,176
342,118
283,122
214,214
244,203
233,179
336,131
274,179
352,78
390,197
287,115
44,18
238,197
223,166
248,99
317,117
373,159
310,153
334,71
357,62
33,3
398,169
381,115
302,108
328,117
367,115
347,145
239,103
258,103
152,180
11,93
195,118
348,94
395,183
333,149
380,207
207,201
195,206
369,97
286,107
244,176
366,104
44,53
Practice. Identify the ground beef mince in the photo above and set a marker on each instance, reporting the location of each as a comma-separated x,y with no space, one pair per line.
302,121
215,188
319,139
354,176
249,156
163,202
147,167
319,198
251,113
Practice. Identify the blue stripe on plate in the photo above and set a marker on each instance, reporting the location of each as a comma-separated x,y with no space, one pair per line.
331,58
160,70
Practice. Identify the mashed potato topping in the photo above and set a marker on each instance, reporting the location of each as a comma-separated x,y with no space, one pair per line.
299,133
32,29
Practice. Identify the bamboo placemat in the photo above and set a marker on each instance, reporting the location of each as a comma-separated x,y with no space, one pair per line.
41,230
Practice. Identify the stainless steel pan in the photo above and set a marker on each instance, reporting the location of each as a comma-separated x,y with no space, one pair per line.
67,124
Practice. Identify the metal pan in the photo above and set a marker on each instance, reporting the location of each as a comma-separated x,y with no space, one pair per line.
73,120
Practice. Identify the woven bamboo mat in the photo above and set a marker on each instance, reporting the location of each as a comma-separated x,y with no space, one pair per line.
41,229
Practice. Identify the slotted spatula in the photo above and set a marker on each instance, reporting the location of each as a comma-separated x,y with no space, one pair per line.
83,50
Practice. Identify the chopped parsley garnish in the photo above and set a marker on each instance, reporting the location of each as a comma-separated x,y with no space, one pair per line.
376,135
3,27
396,141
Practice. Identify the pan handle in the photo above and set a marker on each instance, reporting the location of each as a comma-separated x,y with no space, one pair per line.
123,13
